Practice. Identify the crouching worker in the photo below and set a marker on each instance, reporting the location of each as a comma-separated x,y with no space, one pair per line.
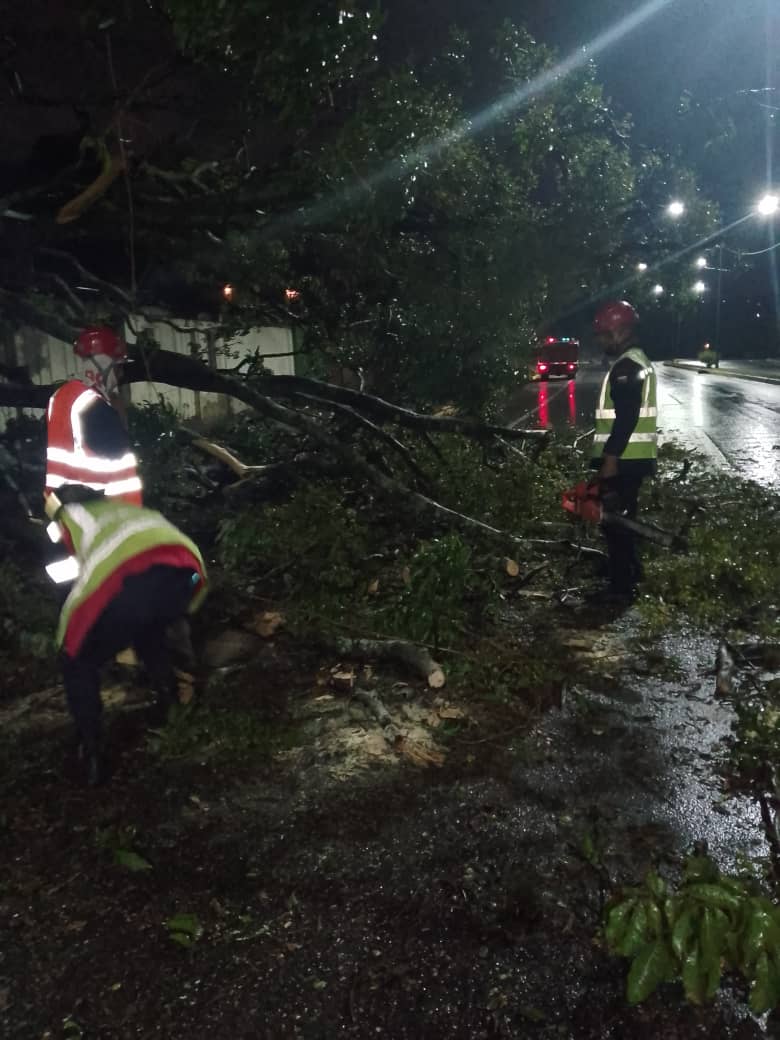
139,577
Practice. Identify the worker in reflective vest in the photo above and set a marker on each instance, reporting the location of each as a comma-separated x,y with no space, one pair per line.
625,445
87,440
139,576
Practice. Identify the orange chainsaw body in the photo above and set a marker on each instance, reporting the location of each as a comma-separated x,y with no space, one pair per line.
584,502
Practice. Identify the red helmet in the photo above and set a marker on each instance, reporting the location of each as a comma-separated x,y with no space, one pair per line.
99,339
617,314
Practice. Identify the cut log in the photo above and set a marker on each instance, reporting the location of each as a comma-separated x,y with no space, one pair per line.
343,679
512,567
416,658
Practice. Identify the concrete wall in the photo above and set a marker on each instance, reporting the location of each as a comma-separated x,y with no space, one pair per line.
51,361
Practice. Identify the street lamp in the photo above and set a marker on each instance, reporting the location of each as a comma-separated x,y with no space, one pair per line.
699,288
701,262
658,290
768,205
675,209
641,266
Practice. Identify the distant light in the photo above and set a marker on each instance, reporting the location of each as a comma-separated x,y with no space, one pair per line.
227,292
768,204
641,266
701,261
699,287
658,290
675,209
291,294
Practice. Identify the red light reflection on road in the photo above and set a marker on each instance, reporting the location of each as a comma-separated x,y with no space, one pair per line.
544,410
572,397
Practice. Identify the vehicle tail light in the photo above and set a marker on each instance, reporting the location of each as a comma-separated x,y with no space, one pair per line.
541,366
570,366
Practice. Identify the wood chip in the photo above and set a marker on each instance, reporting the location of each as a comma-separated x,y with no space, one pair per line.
418,753
267,623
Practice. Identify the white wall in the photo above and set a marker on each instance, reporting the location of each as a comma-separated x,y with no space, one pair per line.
51,361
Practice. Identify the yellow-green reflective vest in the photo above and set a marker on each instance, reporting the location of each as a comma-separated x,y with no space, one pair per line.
643,442
105,535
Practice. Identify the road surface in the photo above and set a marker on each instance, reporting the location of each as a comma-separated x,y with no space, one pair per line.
734,422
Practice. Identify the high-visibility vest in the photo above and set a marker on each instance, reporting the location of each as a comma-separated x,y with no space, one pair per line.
71,460
643,442
113,541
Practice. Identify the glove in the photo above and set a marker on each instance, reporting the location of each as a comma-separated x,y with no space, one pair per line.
610,500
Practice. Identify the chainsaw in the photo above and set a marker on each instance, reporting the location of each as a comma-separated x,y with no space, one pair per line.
586,502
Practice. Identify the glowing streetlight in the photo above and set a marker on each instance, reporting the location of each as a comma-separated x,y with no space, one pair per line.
227,292
675,209
641,266
658,290
291,295
699,288
701,262
768,205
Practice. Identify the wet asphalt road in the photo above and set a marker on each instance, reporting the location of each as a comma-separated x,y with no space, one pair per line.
735,423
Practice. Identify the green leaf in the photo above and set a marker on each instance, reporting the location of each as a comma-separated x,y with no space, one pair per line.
716,895
131,861
651,966
714,926
182,939
683,931
655,884
617,922
700,975
634,934
760,925
189,924
765,991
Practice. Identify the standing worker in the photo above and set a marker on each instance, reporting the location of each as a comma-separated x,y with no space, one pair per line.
87,440
625,446
138,577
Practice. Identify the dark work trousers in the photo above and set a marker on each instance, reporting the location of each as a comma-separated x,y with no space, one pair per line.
625,566
148,614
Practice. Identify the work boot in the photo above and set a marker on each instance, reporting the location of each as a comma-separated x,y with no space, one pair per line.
166,697
94,763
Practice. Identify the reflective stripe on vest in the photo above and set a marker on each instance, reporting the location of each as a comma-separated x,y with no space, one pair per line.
643,442
106,535
69,460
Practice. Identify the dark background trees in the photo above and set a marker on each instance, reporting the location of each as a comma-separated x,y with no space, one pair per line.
435,196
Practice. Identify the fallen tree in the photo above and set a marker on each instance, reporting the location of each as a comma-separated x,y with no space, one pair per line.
304,407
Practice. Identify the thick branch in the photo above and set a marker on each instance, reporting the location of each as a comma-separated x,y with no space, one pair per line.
108,287
27,312
167,367
377,431
384,410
